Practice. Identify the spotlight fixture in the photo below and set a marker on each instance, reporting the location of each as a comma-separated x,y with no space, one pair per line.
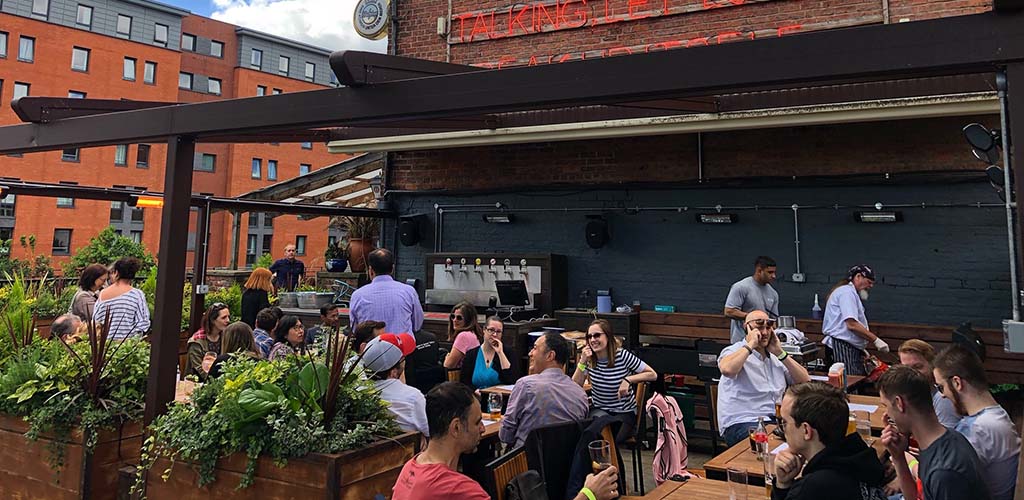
879,216
501,218
716,218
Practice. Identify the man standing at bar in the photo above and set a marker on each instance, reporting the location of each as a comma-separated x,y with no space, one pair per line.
289,271
845,326
384,299
752,293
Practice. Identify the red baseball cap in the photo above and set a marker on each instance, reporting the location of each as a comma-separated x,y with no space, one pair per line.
405,342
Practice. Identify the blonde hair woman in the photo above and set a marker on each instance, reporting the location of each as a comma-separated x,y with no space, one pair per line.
255,298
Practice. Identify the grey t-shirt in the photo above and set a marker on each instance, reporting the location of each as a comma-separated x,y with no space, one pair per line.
995,438
950,470
944,409
747,295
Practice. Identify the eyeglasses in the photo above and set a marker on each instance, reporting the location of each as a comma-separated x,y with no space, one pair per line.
593,335
761,324
493,330
455,316
218,305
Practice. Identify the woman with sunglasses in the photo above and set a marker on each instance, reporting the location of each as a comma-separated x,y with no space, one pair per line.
463,332
290,337
488,365
612,371
207,340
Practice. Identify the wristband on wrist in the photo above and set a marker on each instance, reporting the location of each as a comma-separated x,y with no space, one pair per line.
912,463
747,347
783,356
589,494
581,367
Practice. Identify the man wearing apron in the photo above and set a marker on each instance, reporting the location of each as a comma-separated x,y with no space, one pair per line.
845,326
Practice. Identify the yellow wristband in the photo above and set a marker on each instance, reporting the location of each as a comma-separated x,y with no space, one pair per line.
783,356
589,494
912,463
581,367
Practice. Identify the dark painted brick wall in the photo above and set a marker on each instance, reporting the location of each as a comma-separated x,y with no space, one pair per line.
940,265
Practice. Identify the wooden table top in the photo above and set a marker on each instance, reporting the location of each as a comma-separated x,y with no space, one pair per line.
490,429
696,489
878,416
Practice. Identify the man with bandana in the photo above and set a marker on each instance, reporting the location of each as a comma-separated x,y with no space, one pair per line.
845,326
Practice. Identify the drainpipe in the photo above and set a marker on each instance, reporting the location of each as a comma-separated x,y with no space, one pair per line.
796,241
1001,86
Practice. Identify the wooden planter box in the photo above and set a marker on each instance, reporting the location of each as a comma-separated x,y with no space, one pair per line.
354,475
25,468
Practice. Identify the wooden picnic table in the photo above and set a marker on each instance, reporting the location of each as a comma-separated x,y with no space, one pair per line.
696,488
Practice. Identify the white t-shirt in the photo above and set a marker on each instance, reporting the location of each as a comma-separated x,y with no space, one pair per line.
754,391
407,403
843,304
994,437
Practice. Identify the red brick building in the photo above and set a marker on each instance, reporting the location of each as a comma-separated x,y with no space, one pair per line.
140,50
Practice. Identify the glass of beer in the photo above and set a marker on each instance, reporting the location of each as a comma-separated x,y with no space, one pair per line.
494,405
737,483
769,474
600,455
863,420
851,426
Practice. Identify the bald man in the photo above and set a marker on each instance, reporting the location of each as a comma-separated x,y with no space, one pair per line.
289,271
755,374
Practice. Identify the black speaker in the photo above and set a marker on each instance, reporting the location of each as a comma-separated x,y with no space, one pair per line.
410,229
1007,4
597,233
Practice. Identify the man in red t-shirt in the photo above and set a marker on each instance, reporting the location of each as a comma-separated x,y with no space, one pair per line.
455,422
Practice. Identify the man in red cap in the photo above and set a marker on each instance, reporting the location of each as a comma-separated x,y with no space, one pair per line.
384,362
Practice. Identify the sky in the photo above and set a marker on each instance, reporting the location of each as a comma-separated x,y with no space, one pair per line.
324,23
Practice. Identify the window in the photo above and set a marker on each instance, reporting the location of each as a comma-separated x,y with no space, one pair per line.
74,94
142,157
124,25
185,80
333,79
135,236
188,42
275,91
310,71
84,16
206,163
69,155
21,89
307,145
128,73
3,44
256,59
149,72
27,49
214,86
79,59
116,211
261,90
137,214
271,170
257,168
160,34
282,66
300,245
216,48
61,242
7,206
66,202
121,155
303,169
41,7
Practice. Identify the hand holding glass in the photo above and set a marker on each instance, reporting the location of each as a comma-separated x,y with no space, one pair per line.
600,455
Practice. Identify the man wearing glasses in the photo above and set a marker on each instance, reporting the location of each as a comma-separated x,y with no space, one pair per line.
845,326
755,373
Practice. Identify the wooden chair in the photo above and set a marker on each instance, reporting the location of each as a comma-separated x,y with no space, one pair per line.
502,469
712,393
608,435
636,442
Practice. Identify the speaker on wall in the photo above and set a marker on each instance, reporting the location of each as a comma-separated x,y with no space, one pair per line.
597,231
411,229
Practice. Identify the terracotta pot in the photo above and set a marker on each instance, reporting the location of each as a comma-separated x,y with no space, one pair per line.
358,249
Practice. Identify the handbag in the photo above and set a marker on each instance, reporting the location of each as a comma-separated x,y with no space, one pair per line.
526,486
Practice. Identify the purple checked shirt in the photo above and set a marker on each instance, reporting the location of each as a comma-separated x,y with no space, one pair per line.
384,299
547,398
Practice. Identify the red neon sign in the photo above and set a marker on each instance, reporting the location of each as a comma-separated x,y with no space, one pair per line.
556,15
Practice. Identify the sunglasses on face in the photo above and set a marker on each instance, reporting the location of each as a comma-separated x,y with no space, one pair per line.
593,335
455,317
761,324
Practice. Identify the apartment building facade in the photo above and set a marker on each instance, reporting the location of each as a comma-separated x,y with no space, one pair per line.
149,51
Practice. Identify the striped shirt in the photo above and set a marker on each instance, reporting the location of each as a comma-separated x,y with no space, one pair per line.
129,314
605,382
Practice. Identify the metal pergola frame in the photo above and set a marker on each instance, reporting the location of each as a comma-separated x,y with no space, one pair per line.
390,93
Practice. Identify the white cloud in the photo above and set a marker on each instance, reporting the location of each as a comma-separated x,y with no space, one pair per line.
324,23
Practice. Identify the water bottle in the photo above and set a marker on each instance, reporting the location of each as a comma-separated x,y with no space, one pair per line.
816,310
761,439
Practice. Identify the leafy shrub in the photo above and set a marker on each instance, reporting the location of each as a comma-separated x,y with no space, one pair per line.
264,260
105,248
232,296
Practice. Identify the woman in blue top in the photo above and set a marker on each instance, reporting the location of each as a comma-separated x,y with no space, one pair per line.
488,365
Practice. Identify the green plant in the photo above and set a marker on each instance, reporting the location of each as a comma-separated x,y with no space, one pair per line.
105,248
360,227
287,408
264,260
35,266
339,250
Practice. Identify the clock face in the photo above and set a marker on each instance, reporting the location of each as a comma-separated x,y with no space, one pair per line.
369,14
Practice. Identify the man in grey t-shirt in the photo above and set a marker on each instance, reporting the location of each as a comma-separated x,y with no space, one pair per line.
750,294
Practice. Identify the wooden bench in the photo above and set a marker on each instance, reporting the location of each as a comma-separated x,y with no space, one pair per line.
1002,367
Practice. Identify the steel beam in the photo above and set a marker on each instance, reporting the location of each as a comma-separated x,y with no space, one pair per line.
199,257
1015,122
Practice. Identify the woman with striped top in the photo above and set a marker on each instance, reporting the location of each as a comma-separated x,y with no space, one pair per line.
612,371
122,305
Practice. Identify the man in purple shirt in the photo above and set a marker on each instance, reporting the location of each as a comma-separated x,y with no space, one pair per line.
545,397
384,299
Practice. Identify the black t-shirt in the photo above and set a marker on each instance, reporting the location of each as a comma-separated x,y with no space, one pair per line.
950,470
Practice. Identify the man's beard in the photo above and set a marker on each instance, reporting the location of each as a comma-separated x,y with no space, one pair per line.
863,294
958,405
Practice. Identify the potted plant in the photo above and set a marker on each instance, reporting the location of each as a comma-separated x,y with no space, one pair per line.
336,256
362,232
302,426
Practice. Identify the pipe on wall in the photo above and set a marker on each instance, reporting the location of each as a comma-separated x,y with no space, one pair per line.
1015,295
